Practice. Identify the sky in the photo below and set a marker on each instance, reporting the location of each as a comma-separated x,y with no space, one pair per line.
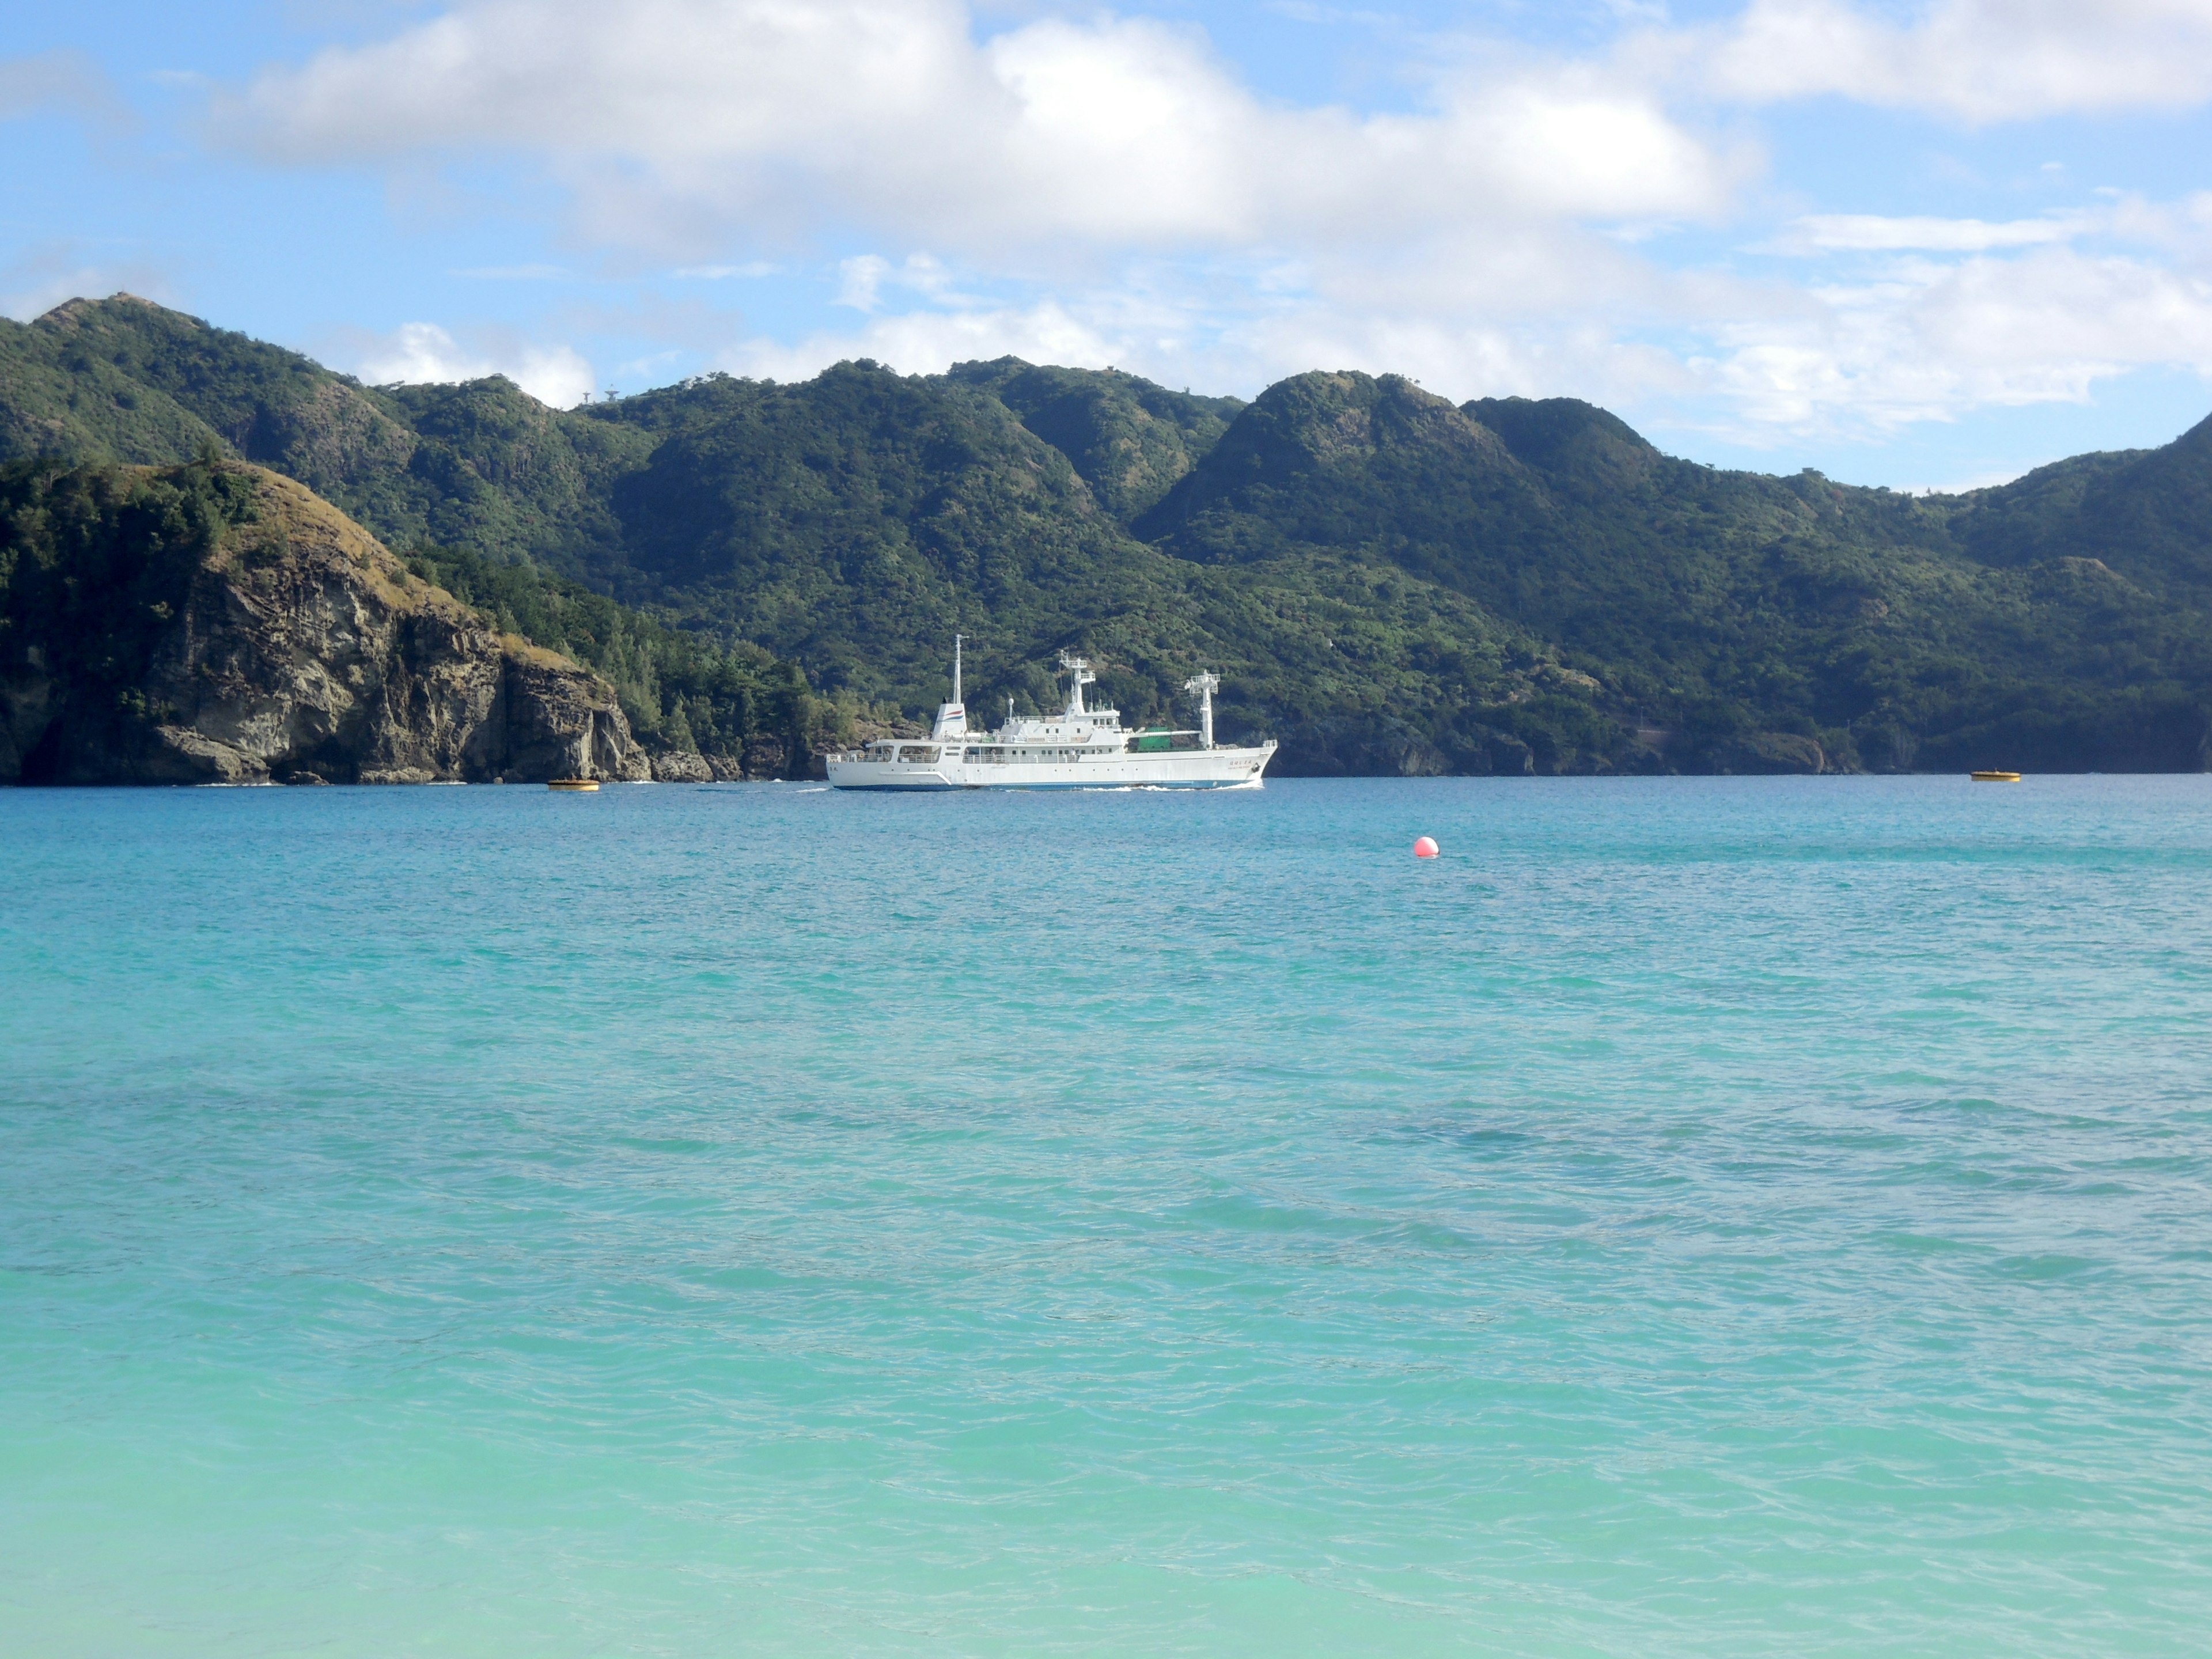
1924,245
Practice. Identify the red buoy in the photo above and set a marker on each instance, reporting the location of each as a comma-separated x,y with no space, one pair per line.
1425,848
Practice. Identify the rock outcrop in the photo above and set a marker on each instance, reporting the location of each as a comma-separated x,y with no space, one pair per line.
675,768
1768,754
287,645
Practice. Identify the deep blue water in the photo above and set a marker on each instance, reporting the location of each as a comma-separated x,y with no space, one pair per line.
1692,1216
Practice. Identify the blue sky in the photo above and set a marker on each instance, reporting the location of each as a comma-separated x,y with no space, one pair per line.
1926,244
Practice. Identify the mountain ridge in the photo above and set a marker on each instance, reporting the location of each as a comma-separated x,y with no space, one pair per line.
1388,581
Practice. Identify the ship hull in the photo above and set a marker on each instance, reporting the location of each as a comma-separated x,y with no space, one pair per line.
1203,769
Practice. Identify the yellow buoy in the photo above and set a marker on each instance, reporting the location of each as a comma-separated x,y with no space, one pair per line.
1997,777
572,783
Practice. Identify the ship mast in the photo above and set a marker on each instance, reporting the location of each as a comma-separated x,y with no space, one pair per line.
1078,676
951,717
1206,685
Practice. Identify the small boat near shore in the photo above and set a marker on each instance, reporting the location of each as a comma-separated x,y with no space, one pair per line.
574,785
1994,777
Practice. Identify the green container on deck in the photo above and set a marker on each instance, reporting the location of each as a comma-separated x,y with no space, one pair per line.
1147,742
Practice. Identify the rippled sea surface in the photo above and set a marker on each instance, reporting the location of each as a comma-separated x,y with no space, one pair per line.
1699,1217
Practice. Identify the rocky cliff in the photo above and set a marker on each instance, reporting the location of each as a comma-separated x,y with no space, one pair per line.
219,624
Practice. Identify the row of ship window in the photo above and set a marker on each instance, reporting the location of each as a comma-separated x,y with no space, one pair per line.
926,754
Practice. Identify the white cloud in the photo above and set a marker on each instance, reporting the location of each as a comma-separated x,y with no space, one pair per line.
1861,233
929,341
1240,331
1919,337
861,280
1107,189
417,354
1976,61
1930,339
1052,164
677,123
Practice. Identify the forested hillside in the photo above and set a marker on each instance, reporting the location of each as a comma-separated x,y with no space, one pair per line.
215,622
1387,582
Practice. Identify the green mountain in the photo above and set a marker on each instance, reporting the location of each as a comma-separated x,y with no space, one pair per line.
483,466
1131,440
1387,582
1734,607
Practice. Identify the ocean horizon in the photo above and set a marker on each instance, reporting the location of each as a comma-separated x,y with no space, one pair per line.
1690,1216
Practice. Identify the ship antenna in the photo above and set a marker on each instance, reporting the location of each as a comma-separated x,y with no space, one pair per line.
1206,685
956,668
1078,676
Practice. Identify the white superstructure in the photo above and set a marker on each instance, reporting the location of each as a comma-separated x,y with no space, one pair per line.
1079,748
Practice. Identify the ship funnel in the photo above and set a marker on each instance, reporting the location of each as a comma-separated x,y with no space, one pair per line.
1205,685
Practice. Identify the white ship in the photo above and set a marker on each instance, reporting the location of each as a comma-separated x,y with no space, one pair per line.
1079,748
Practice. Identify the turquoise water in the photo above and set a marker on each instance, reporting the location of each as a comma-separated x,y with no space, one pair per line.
1689,1217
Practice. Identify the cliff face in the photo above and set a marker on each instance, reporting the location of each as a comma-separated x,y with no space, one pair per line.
225,625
